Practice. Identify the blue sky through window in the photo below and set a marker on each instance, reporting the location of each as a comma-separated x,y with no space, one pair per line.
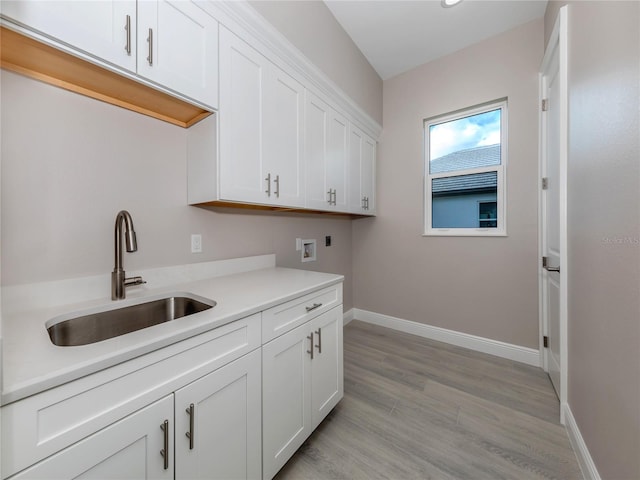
461,134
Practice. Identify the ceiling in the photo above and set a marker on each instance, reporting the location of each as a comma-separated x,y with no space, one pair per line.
398,35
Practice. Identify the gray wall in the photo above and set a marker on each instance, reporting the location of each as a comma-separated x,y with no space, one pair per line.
69,163
481,286
311,27
604,231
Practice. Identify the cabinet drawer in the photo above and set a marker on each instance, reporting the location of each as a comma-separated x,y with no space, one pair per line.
43,424
286,316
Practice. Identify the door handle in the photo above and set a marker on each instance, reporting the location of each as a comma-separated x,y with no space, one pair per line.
150,41
545,265
319,345
310,352
192,415
165,451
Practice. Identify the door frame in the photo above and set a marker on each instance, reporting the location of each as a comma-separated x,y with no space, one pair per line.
558,41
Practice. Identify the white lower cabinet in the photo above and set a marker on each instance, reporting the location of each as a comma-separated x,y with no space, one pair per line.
218,423
302,381
218,405
128,449
216,433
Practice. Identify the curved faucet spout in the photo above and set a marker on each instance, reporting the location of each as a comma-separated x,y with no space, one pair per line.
118,277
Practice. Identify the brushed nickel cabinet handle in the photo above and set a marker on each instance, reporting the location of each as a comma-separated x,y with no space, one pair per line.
150,41
127,27
313,307
319,345
545,265
310,337
165,451
192,414
277,182
268,180
330,196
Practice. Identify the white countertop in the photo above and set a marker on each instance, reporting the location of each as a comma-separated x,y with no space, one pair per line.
31,363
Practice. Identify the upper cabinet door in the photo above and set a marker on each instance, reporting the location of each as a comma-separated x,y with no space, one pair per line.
261,118
103,28
326,153
368,174
283,141
362,172
242,76
338,159
178,48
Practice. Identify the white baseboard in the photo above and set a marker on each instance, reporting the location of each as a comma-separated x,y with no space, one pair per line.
347,317
588,467
517,353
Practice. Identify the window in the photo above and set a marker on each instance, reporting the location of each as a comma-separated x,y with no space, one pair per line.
465,158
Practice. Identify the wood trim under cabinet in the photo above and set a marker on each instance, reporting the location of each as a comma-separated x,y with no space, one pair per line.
34,59
273,208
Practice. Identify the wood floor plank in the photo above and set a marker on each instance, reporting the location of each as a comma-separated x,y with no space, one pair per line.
419,409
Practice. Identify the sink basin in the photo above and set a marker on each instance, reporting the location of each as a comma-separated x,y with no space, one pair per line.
83,328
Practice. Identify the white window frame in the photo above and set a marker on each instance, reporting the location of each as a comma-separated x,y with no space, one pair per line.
501,171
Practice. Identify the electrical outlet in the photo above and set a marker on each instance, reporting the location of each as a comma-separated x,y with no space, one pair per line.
196,243
327,241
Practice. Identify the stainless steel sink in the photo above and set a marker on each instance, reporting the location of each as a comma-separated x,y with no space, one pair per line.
83,328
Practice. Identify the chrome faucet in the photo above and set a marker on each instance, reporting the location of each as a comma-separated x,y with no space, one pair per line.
118,277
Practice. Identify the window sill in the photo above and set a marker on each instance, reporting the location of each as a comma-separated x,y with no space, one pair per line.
451,232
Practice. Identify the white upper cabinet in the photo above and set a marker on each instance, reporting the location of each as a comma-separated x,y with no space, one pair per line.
242,76
103,28
283,142
326,156
261,118
362,172
173,43
178,48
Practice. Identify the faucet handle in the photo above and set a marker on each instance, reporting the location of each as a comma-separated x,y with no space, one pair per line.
131,281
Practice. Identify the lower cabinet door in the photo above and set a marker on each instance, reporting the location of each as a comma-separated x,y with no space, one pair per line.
327,375
218,423
129,449
286,397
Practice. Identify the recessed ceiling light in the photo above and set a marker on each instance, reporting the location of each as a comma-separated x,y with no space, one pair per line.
449,3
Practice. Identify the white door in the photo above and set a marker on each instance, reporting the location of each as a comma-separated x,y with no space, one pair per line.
218,423
327,378
338,159
178,48
316,118
286,389
283,155
103,28
128,449
553,208
368,175
326,156
242,77
362,172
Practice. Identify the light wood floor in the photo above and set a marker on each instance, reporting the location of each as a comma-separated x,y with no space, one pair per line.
415,409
